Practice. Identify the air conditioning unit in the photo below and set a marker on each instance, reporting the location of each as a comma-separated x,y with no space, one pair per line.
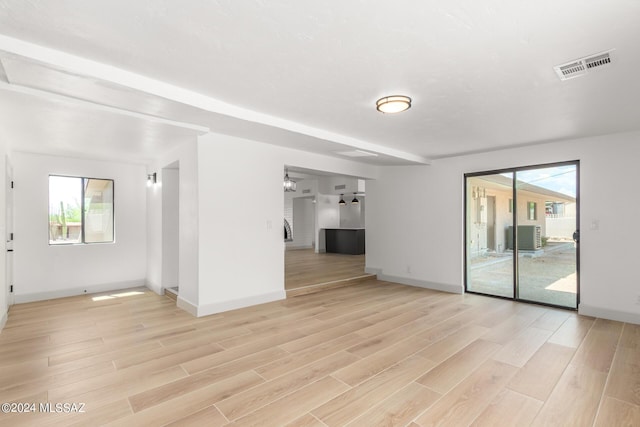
529,237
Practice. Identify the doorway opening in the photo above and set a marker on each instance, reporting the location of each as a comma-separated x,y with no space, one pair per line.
9,234
521,234
324,237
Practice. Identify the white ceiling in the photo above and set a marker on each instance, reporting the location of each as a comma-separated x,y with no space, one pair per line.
306,74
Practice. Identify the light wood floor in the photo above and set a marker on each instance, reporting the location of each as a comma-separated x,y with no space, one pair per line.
304,267
372,354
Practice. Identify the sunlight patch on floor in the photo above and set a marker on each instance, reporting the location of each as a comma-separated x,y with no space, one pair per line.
119,295
564,284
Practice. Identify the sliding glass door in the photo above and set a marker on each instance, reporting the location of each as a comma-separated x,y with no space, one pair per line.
489,263
522,234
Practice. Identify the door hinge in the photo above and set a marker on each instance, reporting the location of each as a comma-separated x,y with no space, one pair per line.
11,184
10,236
11,288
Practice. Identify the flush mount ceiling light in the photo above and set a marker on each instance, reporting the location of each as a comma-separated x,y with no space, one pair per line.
288,184
393,104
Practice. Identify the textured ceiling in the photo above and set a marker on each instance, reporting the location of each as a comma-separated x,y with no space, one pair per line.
480,73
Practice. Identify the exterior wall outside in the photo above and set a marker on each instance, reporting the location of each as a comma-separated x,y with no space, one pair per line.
478,241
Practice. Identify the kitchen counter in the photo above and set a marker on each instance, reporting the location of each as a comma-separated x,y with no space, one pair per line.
345,240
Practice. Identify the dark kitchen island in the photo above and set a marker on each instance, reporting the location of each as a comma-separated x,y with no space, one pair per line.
345,240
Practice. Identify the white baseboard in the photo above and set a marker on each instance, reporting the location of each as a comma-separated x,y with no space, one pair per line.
371,270
3,321
299,247
62,293
153,287
605,313
454,289
219,307
187,306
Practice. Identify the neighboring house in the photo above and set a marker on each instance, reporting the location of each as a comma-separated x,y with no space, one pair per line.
490,212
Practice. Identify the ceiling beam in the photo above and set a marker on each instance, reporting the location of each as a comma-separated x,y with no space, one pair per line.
200,130
148,85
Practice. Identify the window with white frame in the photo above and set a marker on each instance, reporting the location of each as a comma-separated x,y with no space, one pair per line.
80,210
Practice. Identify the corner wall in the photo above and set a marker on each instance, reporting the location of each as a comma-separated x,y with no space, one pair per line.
43,271
415,219
186,155
240,211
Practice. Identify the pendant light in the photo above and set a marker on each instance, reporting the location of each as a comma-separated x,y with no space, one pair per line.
289,185
355,200
342,202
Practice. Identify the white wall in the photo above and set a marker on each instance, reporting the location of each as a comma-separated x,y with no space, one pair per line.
328,184
241,250
42,271
170,226
352,216
327,216
422,230
288,212
186,155
300,212
304,213
241,241
4,193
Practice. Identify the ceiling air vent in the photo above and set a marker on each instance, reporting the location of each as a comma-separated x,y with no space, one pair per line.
597,61
568,71
340,187
582,66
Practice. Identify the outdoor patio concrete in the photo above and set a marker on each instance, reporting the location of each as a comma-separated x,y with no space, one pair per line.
548,276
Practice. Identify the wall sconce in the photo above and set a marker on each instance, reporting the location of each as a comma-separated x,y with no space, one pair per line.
152,179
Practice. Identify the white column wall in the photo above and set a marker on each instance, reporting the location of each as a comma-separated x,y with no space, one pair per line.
170,227
186,154
240,211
